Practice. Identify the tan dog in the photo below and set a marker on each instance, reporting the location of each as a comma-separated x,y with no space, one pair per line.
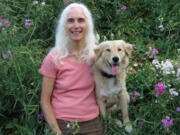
112,59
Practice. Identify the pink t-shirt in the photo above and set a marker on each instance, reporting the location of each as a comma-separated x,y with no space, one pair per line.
73,97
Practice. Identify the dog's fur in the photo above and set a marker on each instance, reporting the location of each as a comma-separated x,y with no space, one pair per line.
109,70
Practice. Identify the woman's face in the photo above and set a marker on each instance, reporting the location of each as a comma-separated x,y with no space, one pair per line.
76,25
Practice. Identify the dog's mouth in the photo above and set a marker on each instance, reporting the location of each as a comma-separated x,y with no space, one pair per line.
114,67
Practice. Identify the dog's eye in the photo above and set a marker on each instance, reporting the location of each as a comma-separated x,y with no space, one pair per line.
108,50
119,49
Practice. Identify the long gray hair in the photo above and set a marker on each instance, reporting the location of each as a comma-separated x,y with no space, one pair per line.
61,37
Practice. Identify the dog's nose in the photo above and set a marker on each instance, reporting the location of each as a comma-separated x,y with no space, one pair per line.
115,59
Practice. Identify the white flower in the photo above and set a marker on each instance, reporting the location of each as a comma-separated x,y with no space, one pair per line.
43,3
167,67
161,26
68,125
155,62
35,2
173,92
150,48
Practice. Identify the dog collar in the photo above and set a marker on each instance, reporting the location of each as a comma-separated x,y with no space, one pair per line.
107,75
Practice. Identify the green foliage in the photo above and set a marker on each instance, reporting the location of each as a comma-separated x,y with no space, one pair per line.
145,23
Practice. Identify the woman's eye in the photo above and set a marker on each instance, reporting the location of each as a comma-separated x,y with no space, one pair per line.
70,20
81,20
119,49
108,50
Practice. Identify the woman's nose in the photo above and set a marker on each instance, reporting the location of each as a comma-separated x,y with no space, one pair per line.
76,24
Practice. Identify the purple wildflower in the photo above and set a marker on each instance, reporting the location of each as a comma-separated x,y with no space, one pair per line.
155,51
1,17
123,8
6,22
67,1
27,22
160,87
167,122
41,116
10,53
141,123
5,56
154,70
178,109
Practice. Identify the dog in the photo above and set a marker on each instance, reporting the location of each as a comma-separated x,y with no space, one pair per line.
109,71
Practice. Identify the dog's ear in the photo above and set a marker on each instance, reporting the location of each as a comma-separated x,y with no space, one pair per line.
98,50
128,48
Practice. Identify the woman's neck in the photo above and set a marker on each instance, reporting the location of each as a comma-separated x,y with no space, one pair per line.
76,47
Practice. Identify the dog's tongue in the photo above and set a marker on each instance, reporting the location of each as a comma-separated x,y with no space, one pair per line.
115,69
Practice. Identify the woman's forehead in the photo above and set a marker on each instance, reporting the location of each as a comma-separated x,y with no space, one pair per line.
76,12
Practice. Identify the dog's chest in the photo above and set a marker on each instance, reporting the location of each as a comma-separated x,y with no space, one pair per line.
111,91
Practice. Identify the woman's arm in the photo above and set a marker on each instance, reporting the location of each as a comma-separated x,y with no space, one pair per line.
47,88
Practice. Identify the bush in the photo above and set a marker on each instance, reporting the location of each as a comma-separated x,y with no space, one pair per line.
27,33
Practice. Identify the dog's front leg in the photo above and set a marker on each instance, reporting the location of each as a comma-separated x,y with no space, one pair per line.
100,102
124,108
102,107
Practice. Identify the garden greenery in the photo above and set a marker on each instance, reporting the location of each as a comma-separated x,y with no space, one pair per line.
27,34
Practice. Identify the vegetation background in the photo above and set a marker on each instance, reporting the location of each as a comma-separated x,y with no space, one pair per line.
153,26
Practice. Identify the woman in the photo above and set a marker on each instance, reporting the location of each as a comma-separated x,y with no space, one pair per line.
68,85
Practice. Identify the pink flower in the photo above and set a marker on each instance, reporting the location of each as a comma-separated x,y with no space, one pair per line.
9,52
155,51
141,123
123,8
1,17
6,22
5,56
27,22
167,122
3,29
178,109
160,87
133,98
41,116
136,93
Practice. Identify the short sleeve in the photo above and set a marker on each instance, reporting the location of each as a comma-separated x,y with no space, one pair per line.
48,67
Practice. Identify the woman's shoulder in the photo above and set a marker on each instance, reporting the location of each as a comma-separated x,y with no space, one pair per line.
53,51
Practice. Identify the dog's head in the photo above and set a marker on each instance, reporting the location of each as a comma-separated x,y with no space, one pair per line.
113,54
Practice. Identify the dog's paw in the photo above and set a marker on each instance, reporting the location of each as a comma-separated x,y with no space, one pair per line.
128,128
